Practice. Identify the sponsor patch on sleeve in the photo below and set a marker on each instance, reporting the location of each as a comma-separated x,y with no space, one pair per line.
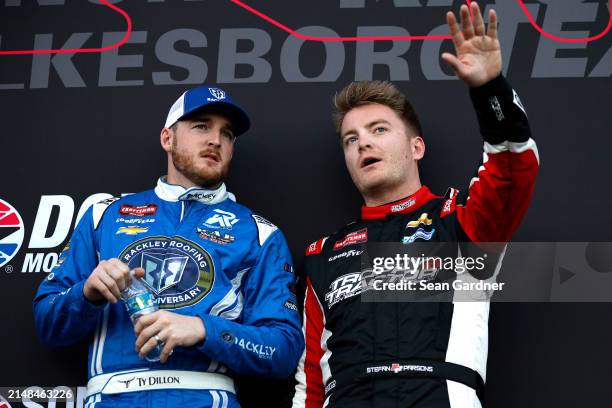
449,204
316,247
290,304
264,228
99,208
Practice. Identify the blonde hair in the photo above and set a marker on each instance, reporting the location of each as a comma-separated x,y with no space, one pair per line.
382,92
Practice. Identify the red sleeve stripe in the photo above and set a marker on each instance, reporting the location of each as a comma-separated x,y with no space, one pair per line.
499,197
309,389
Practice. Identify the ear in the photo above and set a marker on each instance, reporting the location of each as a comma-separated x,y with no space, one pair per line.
165,139
418,147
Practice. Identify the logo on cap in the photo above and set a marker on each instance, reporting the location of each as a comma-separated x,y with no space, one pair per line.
217,93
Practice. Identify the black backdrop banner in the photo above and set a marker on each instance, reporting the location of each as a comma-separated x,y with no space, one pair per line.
80,127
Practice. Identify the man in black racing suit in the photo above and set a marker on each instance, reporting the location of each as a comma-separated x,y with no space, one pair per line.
418,354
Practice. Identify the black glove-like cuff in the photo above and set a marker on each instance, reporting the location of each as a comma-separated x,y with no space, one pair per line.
500,113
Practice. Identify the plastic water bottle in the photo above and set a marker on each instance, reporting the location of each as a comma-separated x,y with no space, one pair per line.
140,301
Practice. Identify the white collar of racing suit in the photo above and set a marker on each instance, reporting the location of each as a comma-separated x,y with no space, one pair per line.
174,192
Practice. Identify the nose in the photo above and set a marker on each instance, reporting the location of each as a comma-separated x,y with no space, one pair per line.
365,142
214,137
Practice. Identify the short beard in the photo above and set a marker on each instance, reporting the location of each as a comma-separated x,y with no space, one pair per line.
184,164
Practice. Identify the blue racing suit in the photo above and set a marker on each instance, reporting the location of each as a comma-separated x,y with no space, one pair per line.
204,255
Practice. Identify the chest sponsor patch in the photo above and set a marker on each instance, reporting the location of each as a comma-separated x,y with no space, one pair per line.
221,219
138,210
352,238
419,234
132,230
402,206
135,220
179,272
346,254
215,236
344,287
423,219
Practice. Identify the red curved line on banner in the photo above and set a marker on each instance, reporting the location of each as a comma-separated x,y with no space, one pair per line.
306,37
337,39
75,50
415,37
561,39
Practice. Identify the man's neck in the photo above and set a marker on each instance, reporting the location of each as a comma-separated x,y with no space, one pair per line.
175,177
384,195
179,179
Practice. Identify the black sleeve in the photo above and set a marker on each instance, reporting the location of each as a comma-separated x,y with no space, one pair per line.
500,113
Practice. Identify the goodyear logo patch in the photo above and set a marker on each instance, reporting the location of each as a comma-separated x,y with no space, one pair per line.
178,271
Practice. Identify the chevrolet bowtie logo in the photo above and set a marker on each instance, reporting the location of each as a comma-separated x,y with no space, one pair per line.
131,230
422,220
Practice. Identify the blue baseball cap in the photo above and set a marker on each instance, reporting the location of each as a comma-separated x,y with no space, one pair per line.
205,96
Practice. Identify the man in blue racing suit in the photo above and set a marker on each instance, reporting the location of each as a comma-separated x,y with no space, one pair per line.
222,276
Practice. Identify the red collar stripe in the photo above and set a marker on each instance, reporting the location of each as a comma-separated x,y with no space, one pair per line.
403,206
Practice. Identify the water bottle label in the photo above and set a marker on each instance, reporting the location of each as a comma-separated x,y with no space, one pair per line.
140,302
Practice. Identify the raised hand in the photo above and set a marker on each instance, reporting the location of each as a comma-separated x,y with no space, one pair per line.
478,58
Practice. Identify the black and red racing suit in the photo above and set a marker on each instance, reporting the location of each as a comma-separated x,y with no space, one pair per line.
435,352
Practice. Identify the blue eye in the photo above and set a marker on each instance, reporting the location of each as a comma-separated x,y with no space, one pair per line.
350,140
380,129
229,135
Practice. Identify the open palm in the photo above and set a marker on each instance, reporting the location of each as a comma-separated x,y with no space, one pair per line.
478,58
